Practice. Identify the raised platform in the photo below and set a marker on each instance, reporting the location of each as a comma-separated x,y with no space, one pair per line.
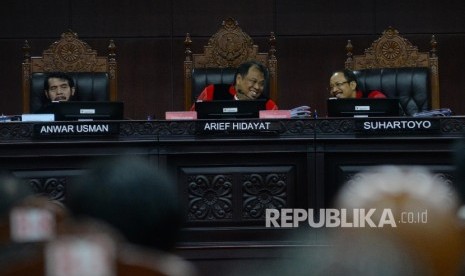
227,177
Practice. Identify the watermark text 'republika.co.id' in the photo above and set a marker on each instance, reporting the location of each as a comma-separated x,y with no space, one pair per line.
349,218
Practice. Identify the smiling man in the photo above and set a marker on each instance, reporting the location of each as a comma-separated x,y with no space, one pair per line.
249,84
343,84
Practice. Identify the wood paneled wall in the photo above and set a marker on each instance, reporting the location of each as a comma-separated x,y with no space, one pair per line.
149,35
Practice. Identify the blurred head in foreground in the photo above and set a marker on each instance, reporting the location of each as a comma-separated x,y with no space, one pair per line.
132,196
423,208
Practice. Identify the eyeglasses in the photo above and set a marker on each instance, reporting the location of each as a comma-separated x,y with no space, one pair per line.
337,84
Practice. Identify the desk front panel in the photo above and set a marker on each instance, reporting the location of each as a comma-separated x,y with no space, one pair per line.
227,181
338,160
226,185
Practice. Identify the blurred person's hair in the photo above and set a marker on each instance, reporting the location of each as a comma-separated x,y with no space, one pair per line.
437,241
136,198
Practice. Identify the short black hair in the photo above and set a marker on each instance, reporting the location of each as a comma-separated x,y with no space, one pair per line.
243,69
133,196
58,75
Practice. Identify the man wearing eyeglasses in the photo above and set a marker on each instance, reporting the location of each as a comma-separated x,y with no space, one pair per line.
343,84
249,84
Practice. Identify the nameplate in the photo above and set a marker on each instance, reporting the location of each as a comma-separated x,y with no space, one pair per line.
237,127
75,129
396,126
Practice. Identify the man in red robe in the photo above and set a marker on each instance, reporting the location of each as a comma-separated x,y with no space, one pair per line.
248,85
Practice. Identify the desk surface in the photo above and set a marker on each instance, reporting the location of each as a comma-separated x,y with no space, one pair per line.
277,129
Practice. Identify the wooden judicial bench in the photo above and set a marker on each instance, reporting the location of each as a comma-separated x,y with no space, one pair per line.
227,177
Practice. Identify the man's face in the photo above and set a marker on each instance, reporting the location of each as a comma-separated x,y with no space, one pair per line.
59,90
250,86
339,87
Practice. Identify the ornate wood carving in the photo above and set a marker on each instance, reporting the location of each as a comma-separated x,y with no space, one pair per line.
210,197
391,50
452,125
228,47
261,192
15,132
69,54
238,196
155,130
340,126
52,187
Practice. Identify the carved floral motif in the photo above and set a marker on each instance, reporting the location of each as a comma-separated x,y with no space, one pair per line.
261,193
70,54
52,187
228,47
210,198
390,50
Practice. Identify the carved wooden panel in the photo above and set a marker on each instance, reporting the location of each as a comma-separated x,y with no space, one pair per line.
69,54
210,197
228,47
53,187
261,192
184,129
389,51
241,194
50,183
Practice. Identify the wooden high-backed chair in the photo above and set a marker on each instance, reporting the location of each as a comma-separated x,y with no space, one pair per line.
396,67
225,51
95,76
